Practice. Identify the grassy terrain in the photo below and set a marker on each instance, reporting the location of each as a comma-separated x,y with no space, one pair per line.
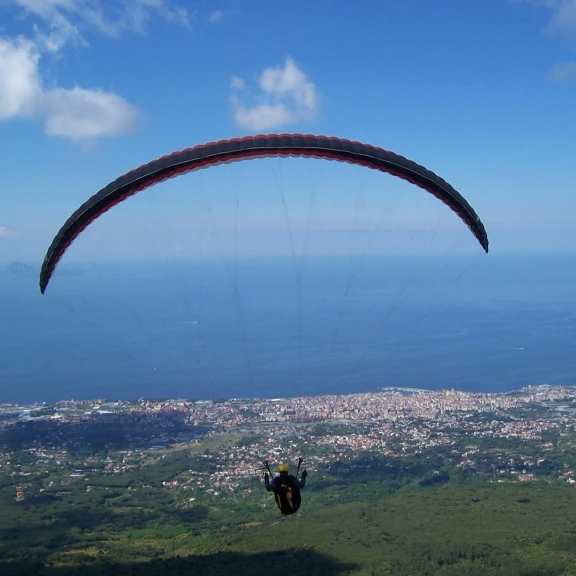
523,529
490,529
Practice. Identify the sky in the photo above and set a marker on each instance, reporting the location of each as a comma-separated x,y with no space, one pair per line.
482,93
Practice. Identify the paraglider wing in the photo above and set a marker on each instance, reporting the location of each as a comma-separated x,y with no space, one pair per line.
237,149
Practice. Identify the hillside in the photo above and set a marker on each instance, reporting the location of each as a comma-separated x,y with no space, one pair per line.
489,529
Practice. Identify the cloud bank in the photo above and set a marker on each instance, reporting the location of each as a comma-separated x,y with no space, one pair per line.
76,113
285,97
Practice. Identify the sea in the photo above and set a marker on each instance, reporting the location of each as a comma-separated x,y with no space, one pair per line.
277,327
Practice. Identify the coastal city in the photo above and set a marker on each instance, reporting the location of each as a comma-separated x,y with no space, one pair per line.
216,449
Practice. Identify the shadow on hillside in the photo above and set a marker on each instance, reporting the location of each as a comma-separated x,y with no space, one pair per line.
285,563
65,530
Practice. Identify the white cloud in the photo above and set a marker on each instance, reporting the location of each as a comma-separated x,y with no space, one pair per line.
65,18
20,86
562,22
286,97
82,114
4,232
137,14
565,72
59,36
216,16
562,15
237,83
78,113
181,16
60,32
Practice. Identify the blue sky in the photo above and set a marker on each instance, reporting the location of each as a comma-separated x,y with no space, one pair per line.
483,93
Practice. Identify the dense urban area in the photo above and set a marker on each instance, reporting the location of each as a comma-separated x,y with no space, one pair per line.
395,423
140,480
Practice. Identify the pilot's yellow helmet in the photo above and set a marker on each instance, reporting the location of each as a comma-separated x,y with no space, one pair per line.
283,468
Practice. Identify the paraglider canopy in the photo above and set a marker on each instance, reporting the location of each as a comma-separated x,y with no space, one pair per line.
250,147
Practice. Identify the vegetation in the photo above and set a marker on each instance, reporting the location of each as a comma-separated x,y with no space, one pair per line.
160,494
358,520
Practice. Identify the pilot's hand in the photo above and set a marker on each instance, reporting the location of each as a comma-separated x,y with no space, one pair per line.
304,474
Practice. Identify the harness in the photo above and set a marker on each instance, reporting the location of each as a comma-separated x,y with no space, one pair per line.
286,492
287,495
